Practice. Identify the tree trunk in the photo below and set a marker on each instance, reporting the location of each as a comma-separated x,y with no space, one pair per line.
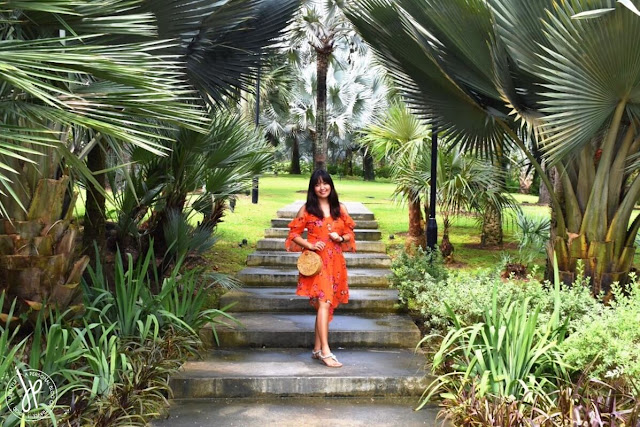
367,165
544,198
94,217
320,148
38,260
416,236
525,180
295,157
491,226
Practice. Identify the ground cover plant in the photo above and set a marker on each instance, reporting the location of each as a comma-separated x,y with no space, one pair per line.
112,365
522,352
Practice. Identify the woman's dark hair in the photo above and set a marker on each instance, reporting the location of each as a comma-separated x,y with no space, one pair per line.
312,205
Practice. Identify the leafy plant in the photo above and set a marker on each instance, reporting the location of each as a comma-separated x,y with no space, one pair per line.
10,352
468,295
608,341
413,272
507,355
184,299
184,239
532,235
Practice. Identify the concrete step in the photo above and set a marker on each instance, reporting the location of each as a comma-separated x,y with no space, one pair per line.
288,276
297,412
285,299
356,210
366,224
292,372
361,246
289,330
289,259
368,235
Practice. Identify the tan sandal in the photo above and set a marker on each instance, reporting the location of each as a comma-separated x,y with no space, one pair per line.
330,356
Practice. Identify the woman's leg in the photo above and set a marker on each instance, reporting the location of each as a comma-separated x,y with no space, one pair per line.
317,346
322,332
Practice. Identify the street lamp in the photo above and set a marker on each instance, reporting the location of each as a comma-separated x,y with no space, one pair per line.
432,226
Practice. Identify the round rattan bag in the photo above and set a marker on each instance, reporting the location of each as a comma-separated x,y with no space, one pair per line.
309,263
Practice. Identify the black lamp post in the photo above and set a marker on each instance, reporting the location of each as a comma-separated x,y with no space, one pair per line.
254,184
432,226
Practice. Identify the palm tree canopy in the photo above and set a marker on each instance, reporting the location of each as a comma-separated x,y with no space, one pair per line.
468,65
73,72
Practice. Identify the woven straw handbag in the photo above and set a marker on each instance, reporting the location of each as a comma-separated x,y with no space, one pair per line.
309,263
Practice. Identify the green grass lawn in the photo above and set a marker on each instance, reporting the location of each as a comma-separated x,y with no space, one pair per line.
249,222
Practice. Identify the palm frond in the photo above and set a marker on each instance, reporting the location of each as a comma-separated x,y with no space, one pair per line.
223,42
411,53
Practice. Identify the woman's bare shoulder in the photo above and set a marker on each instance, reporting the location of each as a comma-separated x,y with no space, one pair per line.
301,212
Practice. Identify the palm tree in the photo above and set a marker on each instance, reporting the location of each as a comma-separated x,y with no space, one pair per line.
106,76
57,89
356,96
220,45
400,139
482,70
322,25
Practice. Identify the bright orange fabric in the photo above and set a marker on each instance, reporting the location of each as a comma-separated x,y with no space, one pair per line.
330,284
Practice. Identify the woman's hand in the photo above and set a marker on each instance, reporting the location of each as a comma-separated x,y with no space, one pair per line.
317,246
335,237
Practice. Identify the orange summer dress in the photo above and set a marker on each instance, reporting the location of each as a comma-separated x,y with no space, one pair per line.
330,284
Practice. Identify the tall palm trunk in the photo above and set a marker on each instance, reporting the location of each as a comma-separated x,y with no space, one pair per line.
367,165
492,219
320,149
416,235
491,226
295,157
94,217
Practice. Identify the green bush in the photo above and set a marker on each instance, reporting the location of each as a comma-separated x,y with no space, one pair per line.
413,273
510,353
428,288
611,338
384,172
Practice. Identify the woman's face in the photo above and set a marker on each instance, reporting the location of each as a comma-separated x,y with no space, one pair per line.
322,189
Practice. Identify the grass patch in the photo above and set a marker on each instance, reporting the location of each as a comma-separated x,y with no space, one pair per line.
249,222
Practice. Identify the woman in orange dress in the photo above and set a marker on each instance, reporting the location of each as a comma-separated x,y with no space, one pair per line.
329,233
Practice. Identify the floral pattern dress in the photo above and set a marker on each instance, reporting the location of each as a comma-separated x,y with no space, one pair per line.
330,284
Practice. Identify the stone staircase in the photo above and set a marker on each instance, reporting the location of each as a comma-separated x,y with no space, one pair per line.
269,355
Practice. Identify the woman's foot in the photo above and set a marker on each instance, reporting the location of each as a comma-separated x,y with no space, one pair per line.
330,360
315,354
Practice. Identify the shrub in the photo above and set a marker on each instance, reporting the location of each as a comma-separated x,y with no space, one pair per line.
384,172
469,294
510,354
413,273
610,337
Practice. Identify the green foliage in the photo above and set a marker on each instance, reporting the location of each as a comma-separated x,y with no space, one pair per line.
185,239
508,354
186,302
412,273
532,235
468,294
10,349
607,343
384,172
600,403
